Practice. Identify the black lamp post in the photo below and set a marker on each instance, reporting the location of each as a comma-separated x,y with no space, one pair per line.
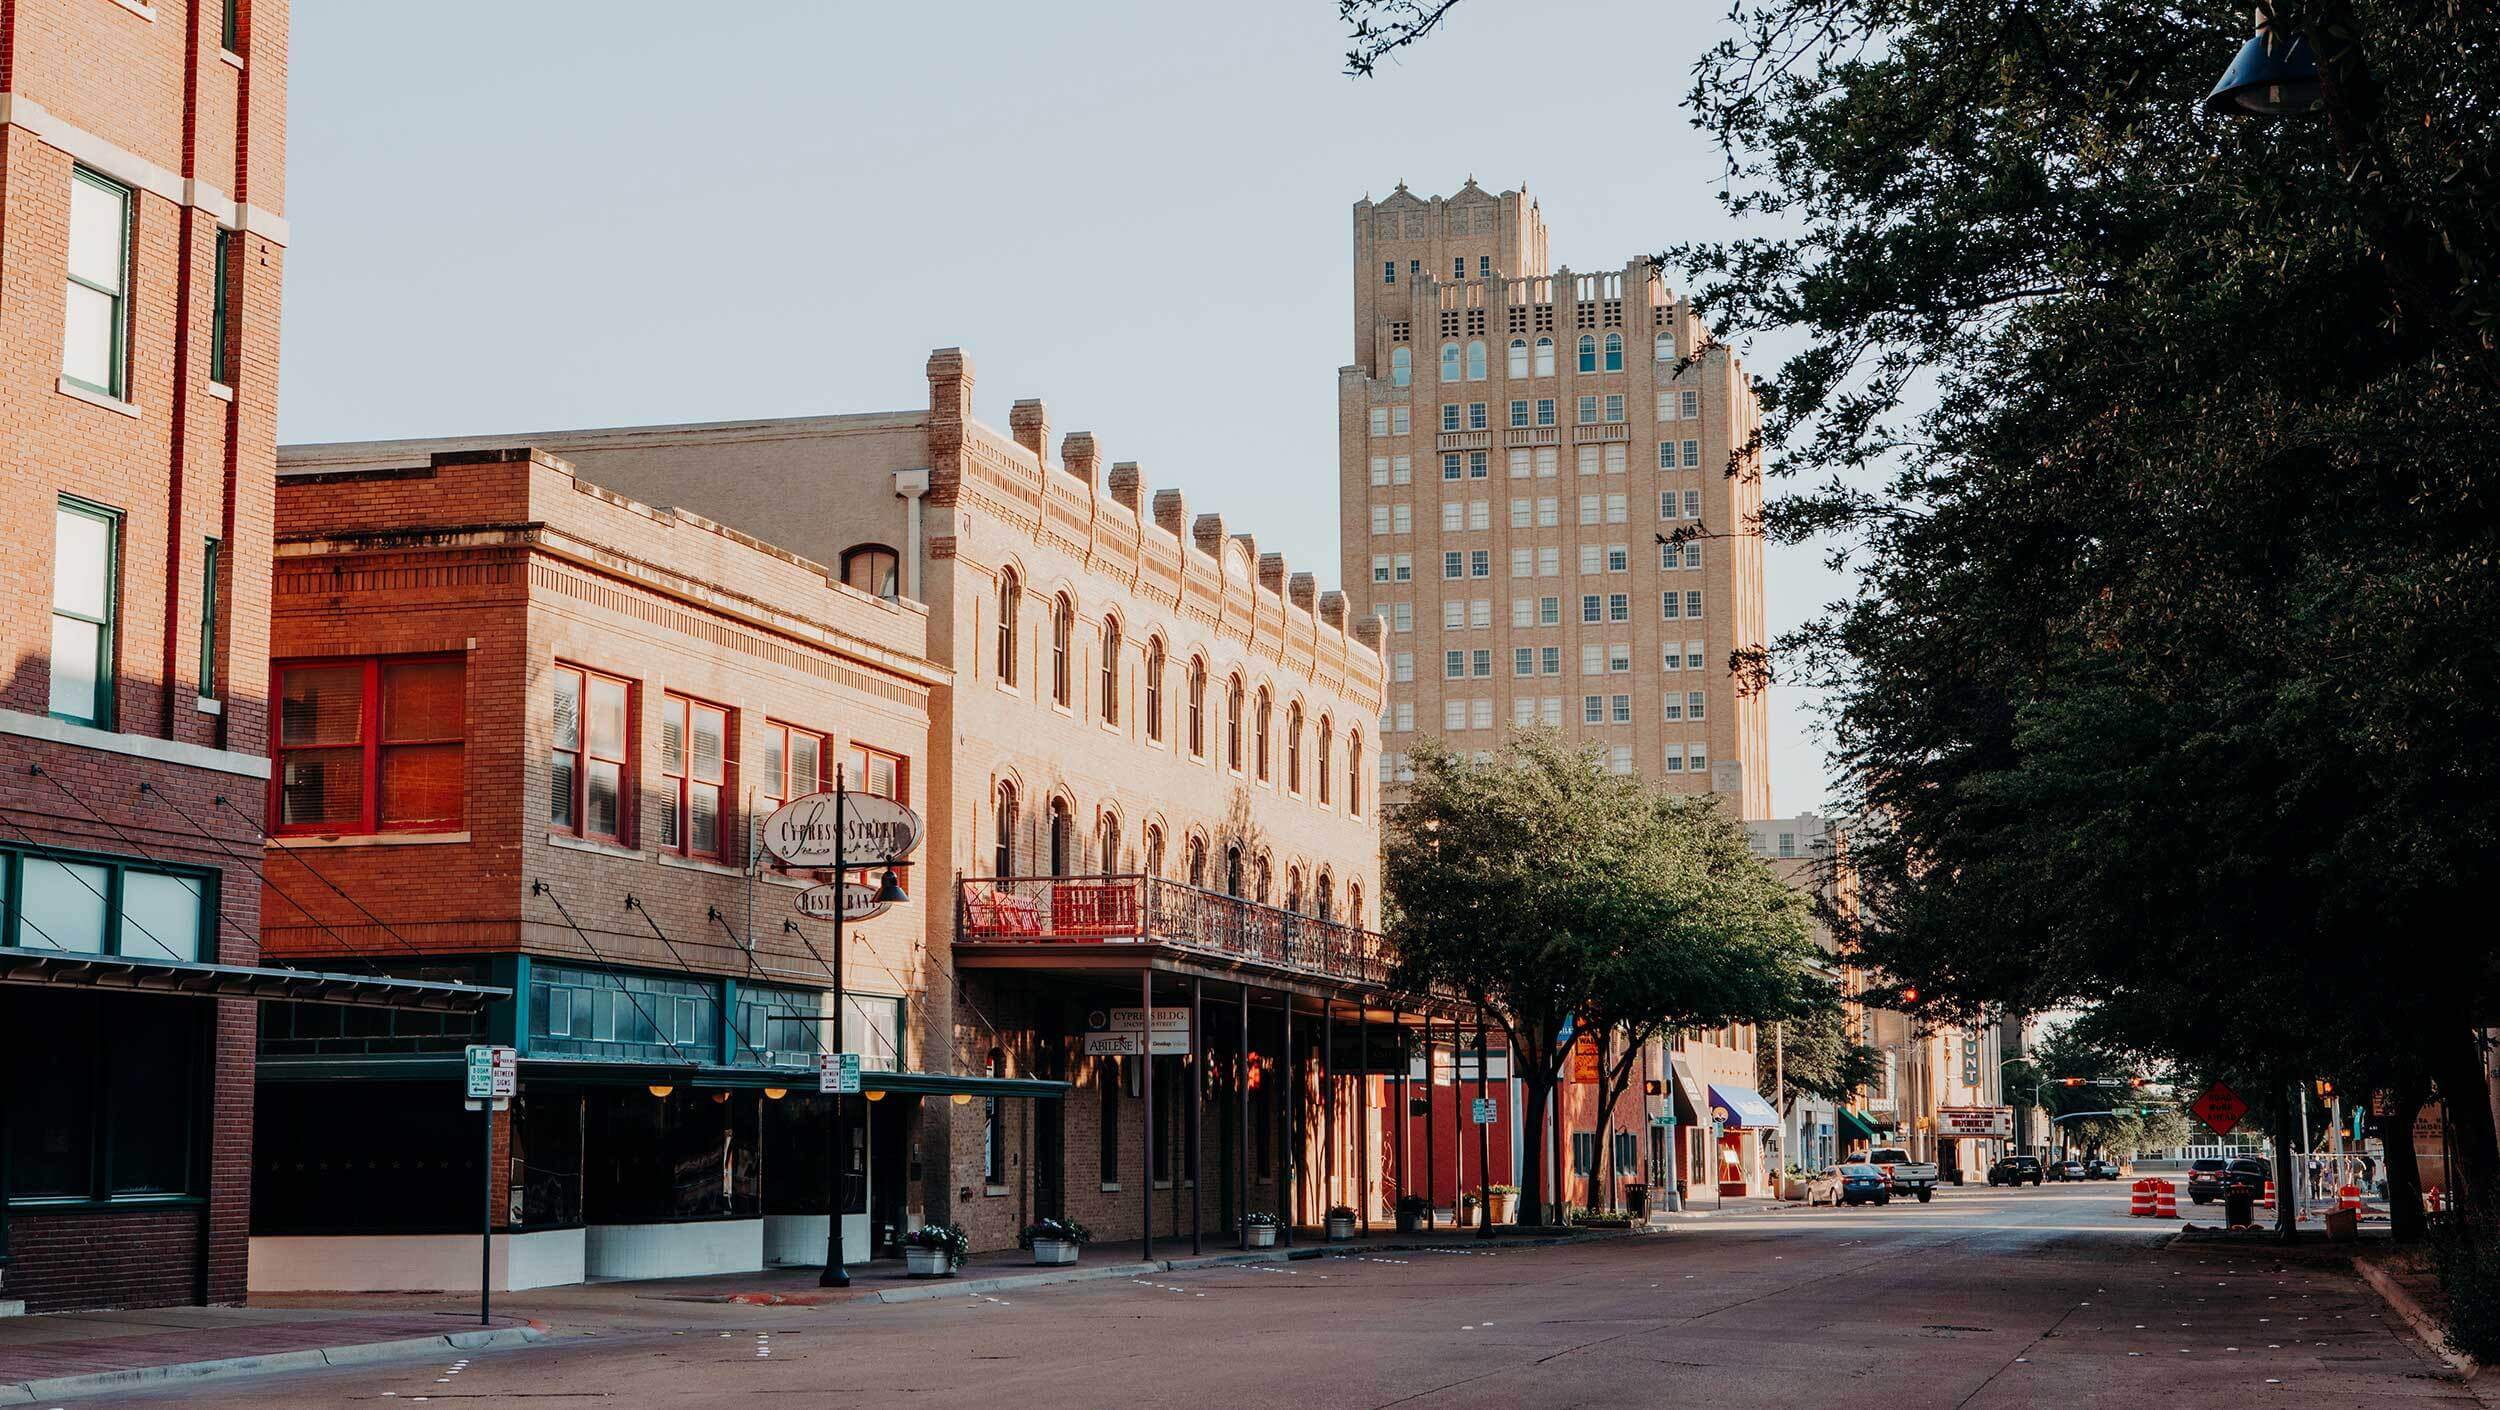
2273,76
889,891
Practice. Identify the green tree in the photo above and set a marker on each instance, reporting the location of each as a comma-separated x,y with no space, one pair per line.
1551,892
1818,1056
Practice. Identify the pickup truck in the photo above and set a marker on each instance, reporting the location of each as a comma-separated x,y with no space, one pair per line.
1907,1176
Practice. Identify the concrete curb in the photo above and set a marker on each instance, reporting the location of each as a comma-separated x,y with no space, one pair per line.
1009,1282
360,1354
2415,1316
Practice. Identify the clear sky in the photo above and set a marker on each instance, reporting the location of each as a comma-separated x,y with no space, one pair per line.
522,216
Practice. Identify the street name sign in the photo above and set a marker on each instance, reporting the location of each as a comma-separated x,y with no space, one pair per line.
875,831
838,1073
2220,1108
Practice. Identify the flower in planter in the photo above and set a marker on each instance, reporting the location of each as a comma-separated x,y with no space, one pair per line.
1501,1189
949,1239
1066,1231
1341,1211
1414,1204
1260,1221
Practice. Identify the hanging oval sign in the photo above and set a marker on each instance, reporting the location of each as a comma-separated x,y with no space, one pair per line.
854,901
875,831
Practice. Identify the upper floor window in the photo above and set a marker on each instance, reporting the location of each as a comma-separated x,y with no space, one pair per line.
1010,595
1614,352
1545,357
1064,859
1354,775
1232,724
1154,689
221,311
1354,904
694,772
1327,732
590,773
1109,842
92,343
795,763
1388,271
873,568
1449,362
1401,366
1324,898
371,745
1475,361
1517,365
1154,850
1588,352
1293,889
1263,722
1003,837
1197,709
1293,748
1198,862
1110,674
871,770
86,560
1062,630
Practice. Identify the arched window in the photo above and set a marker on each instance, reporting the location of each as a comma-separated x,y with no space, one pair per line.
1262,877
1293,747
1614,352
1232,871
1232,724
1154,689
1449,362
1354,904
1327,736
1354,774
1062,627
1665,351
1198,862
1109,842
1475,360
873,568
1003,861
1545,357
1265,722
1401,366
1197,709
1063,858
1293,889
1518,357
1010,593
1588,352
1324,901
1154,850
1110,670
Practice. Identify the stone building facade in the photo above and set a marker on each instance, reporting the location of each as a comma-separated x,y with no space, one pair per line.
1550,488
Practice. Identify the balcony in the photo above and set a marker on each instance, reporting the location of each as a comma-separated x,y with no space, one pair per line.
1005,917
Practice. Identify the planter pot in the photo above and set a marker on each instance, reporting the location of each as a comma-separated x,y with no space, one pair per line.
1263,1236
1505,1208
1054,1251
928,1263
1340,1228
1792,1189
1410,1223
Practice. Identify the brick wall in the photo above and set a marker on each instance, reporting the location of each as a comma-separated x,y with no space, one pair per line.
142,1258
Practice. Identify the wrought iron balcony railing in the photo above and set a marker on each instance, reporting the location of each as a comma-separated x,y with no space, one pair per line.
1146,910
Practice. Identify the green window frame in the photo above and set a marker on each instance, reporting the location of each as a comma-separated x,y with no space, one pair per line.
98,286
211,550
135,906
85,614
221,314
231,32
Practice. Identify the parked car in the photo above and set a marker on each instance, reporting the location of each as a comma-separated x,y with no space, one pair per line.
2247,1173
1905,1176
2205,1178
2016,1170
2100,1168
2069,1169
1864,1184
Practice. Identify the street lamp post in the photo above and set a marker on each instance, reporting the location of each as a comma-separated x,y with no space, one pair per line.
889,891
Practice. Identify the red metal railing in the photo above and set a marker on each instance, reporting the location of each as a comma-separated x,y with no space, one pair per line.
1028,910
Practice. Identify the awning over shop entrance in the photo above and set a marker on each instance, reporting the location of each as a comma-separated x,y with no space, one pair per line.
1687,1096
133,974
1858,1126
1740,1106
448,1068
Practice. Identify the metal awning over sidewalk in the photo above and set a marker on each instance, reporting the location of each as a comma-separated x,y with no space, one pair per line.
63,969
448,1068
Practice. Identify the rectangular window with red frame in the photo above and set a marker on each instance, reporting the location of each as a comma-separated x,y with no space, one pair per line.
694,773
590,771
371,744
795,763
875,771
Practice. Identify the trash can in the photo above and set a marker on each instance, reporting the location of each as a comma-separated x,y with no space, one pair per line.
1636,1199
2239,1207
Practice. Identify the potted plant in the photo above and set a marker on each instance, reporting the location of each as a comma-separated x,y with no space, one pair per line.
1599,1219
1793,1183
1411,1212
1505,1200
933,1250
1262,1230
1054,1240
1341,1221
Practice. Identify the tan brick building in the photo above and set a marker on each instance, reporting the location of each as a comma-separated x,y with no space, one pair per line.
1536,494
1158,736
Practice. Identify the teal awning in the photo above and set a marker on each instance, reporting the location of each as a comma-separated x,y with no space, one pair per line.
1858,1126
448,1069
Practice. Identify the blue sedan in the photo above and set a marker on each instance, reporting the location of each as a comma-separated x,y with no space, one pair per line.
1860,1184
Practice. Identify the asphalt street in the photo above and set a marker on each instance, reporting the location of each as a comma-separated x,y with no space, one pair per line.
2049,1296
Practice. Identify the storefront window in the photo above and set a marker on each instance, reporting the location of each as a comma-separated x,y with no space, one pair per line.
689,1155
104,1097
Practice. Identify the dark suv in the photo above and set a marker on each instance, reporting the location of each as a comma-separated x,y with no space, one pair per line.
2016,1170
2247,1174
2205,1179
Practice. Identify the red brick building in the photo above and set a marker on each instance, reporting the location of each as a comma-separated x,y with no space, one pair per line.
141,245
530,727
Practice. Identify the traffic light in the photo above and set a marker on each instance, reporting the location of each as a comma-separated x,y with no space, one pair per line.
2136,1082
2326,1090
1652,1087
1910,995
2070,1081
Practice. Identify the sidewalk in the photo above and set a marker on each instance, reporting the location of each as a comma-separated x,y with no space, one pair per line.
59,1355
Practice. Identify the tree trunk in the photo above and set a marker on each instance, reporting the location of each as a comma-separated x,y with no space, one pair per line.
2404,1170
1531,1126
2286,1181
2465,1095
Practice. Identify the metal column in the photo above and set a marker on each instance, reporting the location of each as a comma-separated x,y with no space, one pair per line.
1197,1069
1484,1132
1432,1156
1406,1102
1289,1152
1146,1084
1241,1204
1363,1119
1327,1106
